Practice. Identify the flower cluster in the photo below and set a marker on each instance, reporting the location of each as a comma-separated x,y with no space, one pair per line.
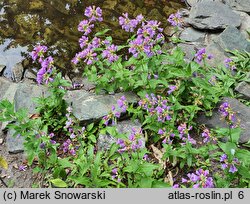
68,146
184,133
225,164
156,105
47,140
175,19
110,53
230,64
208,137
228,114
129,25
89,53
199,179
47,64
122,105
39,52
148,36
168,136
85,26
115,175
133,142
201,55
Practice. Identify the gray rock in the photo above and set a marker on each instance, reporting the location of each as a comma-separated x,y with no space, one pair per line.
232,39
25,94
7,89
189,50
88,106
240,5
29,74
125,127
83,82
244,89
192,35
17,72
14,143
212,15
218,53
245,23
242,113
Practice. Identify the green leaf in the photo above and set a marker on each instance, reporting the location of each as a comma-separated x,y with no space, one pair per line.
64,163
226,147
146,182
92,138
102,32
3,163
59,183
90,127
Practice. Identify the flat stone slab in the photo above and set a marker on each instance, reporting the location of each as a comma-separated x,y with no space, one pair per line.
213,15
192,35
7,89
25,93
14,143
232,39
125,127
244,89
242,113
240,5
88,106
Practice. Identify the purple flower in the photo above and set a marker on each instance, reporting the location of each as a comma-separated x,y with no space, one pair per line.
83,41
227,163
199,179
176,186
42,145
85,27
224,166
38,51
171,89
110,53
40,75
229,115
93,13
208,136
223,158
161,132
230,64
127,24
22,168
175,19
201,55
233,169
122,104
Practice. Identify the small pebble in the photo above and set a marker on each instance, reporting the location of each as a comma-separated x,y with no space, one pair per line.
1,141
